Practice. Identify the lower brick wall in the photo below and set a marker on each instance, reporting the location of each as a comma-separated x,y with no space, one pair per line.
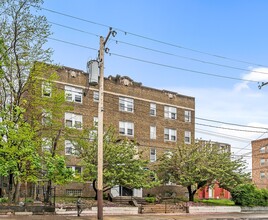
86,189
166,191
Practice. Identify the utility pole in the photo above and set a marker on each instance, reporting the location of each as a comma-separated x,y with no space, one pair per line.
100,124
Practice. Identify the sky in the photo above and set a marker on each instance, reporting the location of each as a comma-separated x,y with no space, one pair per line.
215,51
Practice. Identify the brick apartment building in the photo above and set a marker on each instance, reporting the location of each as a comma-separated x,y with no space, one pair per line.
156,119
260,162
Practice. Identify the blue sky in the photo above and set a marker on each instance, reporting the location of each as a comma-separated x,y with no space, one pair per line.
207,31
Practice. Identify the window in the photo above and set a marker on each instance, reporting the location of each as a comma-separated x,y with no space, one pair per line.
262,162
187,116
262,175
152,109
187,137
170,112
76,169
73,94
73,120
93,135
95,121
126,104
168,153
46,144
73,192
262,150
96,96
152,154
170,134
46,117
152,132
46,89
70,148
126,128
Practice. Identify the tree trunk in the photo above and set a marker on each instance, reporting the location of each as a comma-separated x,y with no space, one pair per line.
95,189
17,192
10,188
47,194
191,193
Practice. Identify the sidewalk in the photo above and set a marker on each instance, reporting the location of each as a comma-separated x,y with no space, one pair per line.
204,216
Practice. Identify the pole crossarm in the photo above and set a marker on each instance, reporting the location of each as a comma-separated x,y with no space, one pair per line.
262,84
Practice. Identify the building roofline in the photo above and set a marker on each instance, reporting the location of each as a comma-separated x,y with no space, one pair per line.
259,140
138,84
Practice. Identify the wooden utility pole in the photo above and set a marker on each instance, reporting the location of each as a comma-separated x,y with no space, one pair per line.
100,124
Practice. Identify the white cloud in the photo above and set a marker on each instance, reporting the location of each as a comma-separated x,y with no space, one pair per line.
256,74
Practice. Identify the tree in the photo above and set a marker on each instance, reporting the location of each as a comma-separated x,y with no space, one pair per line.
23,35
18,154
194,166
46,106
122,161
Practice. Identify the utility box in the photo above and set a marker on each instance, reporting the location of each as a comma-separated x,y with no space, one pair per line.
93,72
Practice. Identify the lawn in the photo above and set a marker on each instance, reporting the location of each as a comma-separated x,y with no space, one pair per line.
218,202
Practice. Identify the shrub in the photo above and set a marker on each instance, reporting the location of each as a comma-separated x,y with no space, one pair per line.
3,200
150,199
249,195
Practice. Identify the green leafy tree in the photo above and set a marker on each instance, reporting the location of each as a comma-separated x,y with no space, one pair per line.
22,57
45,110
22,37
18,154
122,162
194,166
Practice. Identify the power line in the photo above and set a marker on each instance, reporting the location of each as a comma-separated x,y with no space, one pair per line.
74,44
162,52
158,64
74,29
153,40
228,123
217,134
233,129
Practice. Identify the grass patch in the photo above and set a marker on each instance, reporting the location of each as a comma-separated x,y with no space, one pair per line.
217,202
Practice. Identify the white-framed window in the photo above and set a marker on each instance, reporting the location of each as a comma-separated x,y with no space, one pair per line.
152,109
95,121
187,137
168,153
152,132
152,154
73,120
262,161
262,150
46,117
73,192
70,148
96,96
262,175
73,94
170,112
126,128
46,144
46,89
170,134
126,104
76,169
93,135
187,116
